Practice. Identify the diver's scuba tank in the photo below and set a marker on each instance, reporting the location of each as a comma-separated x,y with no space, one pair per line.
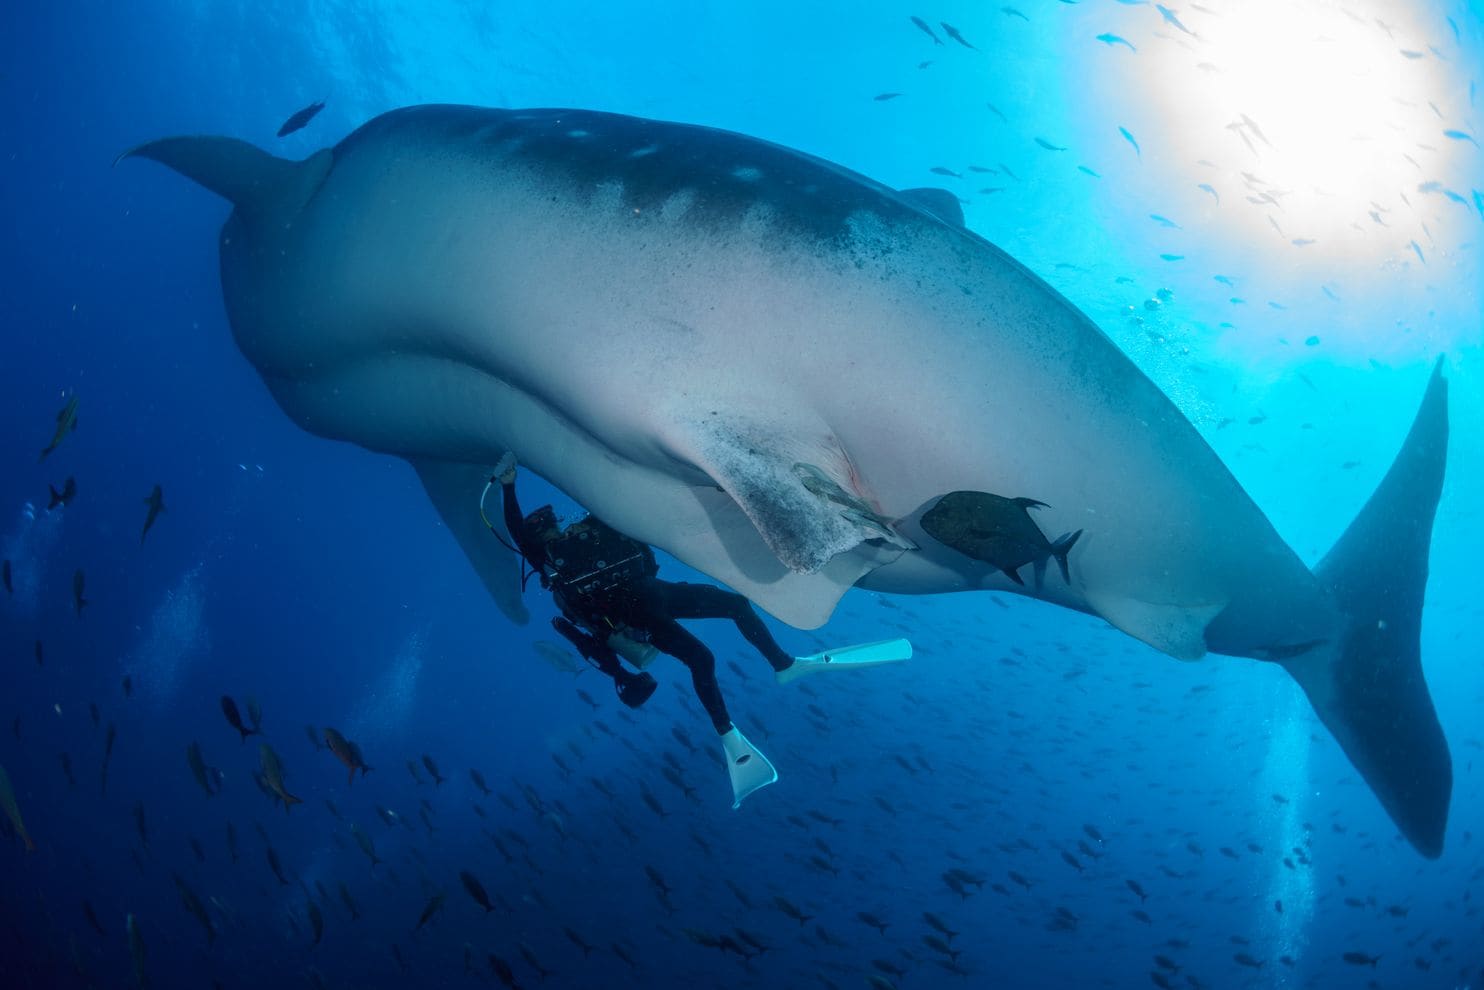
637,652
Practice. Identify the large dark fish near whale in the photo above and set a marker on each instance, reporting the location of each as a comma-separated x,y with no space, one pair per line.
771,366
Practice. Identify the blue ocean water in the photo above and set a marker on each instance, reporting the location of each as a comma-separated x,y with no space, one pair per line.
1274,208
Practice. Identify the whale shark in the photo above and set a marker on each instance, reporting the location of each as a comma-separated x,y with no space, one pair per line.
772,368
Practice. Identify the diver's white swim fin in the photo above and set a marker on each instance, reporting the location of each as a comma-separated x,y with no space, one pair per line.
747,766
864,655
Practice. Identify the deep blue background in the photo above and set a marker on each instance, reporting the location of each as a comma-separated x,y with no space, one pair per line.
316,578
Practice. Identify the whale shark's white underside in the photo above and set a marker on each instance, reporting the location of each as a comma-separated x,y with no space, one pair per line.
771,367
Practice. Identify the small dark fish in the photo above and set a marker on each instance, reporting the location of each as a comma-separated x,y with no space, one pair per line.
255,714
275,865
367,846
476,890
1361,959
313,735
79,582
5,577
948,172
432,768
41,663
1138,889
139,825
232,841
346,752
926,30
952,32
1049,146
205,775
193,904
434,905
1113,39
92,916
13,811
156,502
316,921
300,118
577,940
883,97
273,776
234,717
350,904
128,686
653,803
657,881
1243,959
108,740
67,770
64,497
788,908
66,423
478,779
505,974
938,923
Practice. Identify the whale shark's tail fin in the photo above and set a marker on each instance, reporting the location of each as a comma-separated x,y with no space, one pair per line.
1367,685
261,186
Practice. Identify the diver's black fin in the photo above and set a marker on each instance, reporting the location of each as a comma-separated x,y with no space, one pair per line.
1367,685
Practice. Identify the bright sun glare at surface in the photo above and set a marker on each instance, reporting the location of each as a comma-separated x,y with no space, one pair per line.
1327,103
1343,127
1315,152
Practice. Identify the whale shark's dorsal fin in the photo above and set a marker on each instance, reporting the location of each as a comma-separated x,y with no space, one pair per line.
261,186
939,202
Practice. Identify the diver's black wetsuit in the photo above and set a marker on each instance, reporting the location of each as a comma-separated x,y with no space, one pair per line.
651,606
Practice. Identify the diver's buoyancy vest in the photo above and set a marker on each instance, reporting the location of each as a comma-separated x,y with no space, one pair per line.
590,560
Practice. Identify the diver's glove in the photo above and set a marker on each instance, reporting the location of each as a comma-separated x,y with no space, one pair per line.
586,644
504,471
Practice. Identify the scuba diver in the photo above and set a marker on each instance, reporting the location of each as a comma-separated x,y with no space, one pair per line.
613,605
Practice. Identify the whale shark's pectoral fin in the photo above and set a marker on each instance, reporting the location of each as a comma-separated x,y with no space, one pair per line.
454,490
731,549
1175,630
807,517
